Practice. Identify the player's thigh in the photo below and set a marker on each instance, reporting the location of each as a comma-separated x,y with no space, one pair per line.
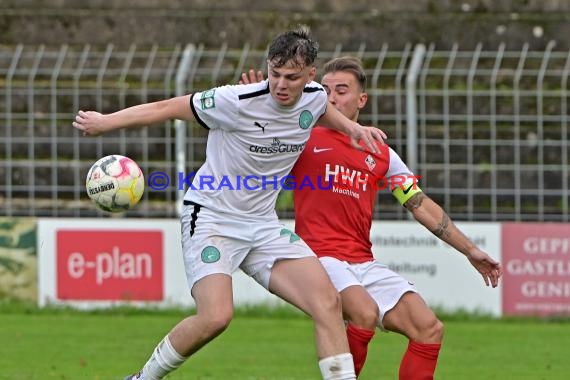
357,305
412,317
285,265
213,295
273,243
385,286
304,283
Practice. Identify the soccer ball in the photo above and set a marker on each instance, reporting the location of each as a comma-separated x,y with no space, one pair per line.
115,183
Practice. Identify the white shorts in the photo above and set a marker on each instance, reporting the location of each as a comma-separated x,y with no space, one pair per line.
214,243
385,286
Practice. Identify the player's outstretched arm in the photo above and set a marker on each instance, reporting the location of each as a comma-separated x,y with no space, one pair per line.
435,219
94,123
334,119
369,136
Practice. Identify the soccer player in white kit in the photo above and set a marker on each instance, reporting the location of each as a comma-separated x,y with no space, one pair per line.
256,133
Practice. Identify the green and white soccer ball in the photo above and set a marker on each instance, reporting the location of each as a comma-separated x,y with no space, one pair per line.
115,183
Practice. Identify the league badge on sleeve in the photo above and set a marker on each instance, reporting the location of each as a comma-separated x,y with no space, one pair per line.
207,99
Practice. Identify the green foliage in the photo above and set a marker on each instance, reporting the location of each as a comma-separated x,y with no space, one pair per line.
10,265
285,200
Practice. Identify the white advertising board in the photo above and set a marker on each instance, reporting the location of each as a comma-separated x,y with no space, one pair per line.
443,276
90,263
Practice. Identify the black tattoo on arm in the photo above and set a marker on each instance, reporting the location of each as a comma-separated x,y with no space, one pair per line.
415,201
441,230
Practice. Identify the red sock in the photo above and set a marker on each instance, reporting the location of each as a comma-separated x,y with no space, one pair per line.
419,361
358,340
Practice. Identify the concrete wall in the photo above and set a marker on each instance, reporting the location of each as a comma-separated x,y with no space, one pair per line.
236,22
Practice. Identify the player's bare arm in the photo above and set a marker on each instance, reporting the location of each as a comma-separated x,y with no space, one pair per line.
334,119
441,231
94,123
436,220
370,136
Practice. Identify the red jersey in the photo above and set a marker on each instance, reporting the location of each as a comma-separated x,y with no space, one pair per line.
335,194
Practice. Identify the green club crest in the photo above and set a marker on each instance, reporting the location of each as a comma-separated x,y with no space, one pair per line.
210,255
292,236
305,119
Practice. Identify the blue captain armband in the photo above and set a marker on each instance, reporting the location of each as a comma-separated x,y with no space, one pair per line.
403,192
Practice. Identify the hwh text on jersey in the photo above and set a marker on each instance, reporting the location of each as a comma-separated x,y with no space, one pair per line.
346,176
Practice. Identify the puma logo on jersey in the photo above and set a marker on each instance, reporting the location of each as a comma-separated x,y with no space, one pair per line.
259,125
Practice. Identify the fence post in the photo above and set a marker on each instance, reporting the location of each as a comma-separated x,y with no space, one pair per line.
411,106
31,103
179,125
8,125
517,107
54,119
540,125
564,133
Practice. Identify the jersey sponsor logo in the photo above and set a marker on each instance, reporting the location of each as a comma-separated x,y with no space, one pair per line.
207,99
319,150
348,192
261,125
276,147
347,177
210,255
305,119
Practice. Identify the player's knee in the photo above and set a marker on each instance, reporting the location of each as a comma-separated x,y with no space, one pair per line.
214,324
218,325
433,333
439,330
334,303
328,303
366,318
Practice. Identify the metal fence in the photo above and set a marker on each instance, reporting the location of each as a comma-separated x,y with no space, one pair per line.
486,130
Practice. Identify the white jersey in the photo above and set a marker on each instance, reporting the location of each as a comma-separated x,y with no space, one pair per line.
252,145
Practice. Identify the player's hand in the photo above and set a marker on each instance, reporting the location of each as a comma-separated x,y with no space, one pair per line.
370,136
91,123
490,269
251,76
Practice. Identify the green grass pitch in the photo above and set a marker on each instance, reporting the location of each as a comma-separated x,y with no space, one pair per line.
65,345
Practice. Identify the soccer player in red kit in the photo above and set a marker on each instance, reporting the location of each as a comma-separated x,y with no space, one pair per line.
334,199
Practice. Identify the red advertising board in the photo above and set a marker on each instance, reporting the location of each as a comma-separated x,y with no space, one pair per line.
103,265
536,263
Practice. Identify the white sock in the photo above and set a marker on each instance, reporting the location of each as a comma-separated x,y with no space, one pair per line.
163,360
337,367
